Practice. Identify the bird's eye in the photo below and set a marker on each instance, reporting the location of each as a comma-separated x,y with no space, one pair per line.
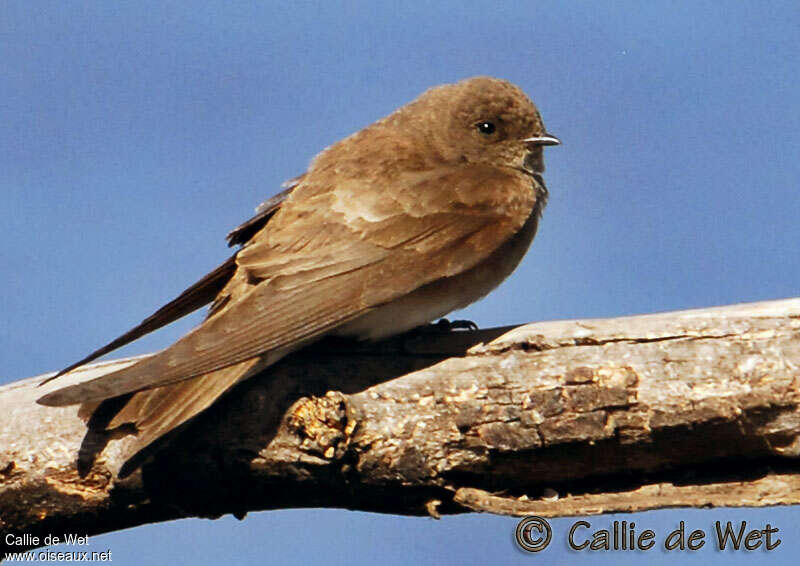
486,128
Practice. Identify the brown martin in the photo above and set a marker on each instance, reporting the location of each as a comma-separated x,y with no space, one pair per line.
419,214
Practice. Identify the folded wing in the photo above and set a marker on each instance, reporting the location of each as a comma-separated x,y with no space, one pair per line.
322,264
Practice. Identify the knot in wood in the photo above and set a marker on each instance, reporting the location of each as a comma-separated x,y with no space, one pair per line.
322,424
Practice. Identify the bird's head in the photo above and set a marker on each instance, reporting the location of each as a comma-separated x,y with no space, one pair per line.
488,121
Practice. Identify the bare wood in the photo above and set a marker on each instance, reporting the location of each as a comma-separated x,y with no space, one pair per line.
696,408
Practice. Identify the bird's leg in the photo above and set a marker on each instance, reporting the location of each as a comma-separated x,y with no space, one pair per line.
461,324
445,325
442,326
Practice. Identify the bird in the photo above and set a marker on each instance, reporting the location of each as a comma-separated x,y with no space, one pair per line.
421,213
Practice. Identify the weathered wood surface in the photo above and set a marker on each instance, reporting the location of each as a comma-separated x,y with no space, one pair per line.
695,408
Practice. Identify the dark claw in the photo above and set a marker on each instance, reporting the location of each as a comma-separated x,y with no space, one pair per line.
441,326
447,326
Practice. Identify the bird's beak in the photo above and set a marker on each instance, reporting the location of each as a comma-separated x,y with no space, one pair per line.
546,139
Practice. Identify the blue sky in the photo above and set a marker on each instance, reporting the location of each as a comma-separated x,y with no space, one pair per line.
136,134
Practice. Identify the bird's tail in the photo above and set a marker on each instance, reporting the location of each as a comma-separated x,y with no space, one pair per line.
155,413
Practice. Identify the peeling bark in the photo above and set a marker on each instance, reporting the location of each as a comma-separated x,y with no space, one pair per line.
695,408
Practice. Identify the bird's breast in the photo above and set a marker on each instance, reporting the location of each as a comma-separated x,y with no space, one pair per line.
438,298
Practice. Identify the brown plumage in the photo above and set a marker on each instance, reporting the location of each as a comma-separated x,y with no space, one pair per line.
419,214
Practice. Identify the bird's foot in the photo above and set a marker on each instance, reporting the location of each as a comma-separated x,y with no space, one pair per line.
444,325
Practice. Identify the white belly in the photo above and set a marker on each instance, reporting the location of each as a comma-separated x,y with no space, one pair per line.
435,300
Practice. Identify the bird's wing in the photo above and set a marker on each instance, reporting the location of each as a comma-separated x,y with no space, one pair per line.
331,255
198,295
246,230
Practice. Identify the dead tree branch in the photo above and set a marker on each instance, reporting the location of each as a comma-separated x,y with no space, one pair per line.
697,408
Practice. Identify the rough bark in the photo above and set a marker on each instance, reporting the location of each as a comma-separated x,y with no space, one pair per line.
696,408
